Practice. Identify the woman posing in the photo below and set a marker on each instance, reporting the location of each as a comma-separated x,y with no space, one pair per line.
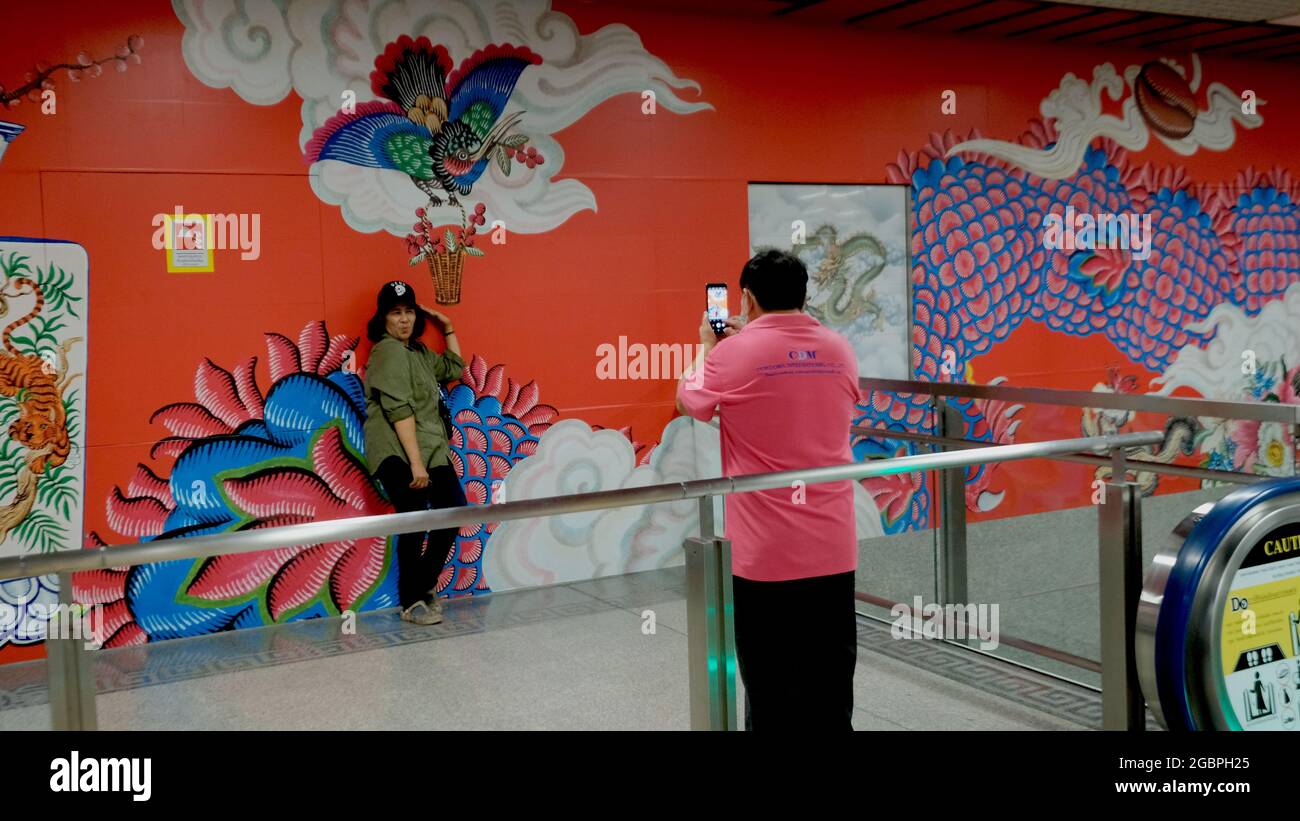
406,440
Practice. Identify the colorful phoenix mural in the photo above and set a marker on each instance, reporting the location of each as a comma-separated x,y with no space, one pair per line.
423,132
438,126
441,128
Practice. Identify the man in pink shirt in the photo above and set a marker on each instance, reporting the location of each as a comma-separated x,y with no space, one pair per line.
784,388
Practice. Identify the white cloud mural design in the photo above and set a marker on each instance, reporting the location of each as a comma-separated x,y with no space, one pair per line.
1215,371
573,458
1075,107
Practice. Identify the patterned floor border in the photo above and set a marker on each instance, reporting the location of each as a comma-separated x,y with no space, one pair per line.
1044,693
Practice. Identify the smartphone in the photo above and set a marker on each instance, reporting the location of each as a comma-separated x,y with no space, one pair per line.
716,292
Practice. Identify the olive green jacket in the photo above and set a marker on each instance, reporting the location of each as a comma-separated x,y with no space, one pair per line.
402,381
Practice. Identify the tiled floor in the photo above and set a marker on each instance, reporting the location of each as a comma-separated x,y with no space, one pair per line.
569,657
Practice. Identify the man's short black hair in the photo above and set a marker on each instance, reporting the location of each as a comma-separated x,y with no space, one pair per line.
777,279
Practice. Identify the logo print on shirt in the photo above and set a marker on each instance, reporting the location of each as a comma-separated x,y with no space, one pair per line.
802,354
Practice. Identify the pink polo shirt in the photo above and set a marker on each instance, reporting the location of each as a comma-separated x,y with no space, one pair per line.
785,388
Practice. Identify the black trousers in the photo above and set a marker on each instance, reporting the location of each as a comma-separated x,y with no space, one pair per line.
417,568
797,649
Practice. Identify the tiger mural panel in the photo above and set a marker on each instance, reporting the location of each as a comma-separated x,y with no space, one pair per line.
42,413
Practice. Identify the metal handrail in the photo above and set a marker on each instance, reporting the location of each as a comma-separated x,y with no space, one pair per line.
304,535
1172,405
1136,464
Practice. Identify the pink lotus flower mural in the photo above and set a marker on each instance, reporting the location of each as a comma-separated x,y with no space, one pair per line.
245,459
1265,448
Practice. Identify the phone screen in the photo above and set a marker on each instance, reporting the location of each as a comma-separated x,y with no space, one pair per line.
717,305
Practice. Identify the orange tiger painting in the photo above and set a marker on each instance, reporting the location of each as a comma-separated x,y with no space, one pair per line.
38,385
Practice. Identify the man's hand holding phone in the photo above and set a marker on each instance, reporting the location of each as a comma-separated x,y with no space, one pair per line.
714,325
708,338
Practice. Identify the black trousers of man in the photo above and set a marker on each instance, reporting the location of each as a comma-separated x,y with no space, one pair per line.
417,570
797,649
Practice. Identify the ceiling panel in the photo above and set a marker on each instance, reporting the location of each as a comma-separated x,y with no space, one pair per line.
1247,29
1248,10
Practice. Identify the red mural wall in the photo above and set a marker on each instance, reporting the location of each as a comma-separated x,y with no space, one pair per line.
790,102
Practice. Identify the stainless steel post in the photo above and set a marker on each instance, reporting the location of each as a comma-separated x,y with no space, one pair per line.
710,634
1120,559
70,668
706,517
1118,465
950,569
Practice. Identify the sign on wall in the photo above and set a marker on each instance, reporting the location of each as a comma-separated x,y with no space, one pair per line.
188,242
1218,639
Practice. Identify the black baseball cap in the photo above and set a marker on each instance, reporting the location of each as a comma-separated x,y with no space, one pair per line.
396,293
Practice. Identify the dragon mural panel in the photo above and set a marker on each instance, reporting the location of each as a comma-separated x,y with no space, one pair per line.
1222,254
